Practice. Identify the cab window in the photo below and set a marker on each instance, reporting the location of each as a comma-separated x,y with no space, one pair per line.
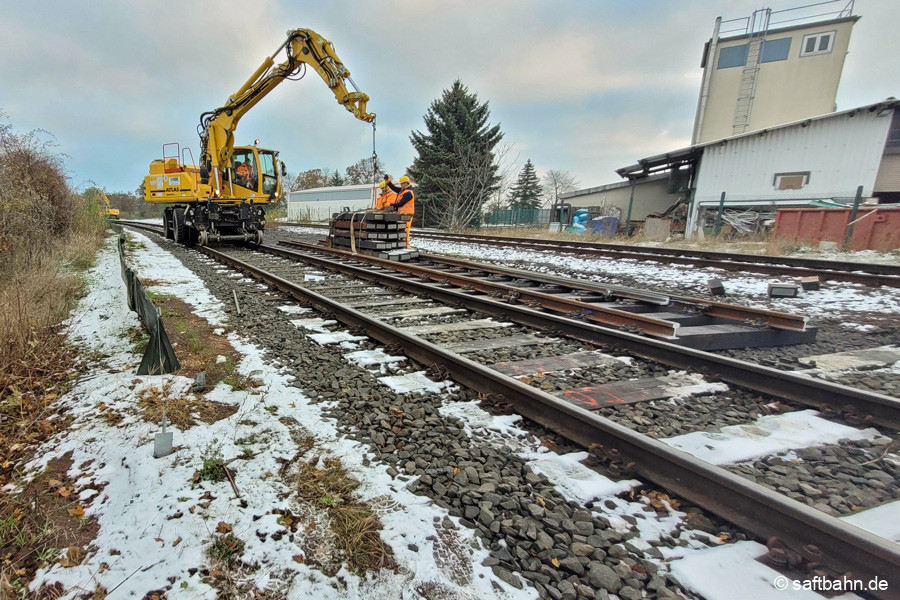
269,175
243,166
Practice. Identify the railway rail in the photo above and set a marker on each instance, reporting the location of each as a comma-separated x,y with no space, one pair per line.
809,533
870,274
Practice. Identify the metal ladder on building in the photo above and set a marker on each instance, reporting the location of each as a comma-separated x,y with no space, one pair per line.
757,27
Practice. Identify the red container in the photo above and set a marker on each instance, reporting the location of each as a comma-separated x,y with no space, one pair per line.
875,228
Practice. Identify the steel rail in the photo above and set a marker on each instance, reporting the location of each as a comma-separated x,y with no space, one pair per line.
592,312
776,319
831,266
815,535
859,405
872,274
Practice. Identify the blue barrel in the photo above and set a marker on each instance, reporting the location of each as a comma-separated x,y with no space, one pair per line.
606,226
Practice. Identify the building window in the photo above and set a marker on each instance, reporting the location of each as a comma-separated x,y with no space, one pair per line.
790,181
733,56
817,43
774,50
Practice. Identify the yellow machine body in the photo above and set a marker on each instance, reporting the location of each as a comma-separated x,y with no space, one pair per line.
223,198
171,181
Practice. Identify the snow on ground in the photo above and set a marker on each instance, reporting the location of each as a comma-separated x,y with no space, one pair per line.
883,521
751,289
732,571
140,545
417,382
155,523
768,435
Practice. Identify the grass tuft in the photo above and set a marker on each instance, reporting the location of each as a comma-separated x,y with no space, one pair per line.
213,463
356,529
226,548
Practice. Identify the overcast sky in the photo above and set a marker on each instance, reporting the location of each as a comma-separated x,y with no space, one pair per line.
582,86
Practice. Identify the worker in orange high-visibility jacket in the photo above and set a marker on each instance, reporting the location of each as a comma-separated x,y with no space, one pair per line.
386,196
405,202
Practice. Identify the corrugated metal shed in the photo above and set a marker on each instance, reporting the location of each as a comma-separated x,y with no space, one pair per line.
836,155
318,204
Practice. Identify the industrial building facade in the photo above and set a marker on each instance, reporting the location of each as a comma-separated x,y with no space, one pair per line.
769,75
318,204
644,197
820,159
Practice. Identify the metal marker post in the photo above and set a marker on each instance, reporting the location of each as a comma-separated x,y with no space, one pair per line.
630,204
162,442
719,214
853,219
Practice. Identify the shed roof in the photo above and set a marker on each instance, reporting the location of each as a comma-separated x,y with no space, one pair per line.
647,166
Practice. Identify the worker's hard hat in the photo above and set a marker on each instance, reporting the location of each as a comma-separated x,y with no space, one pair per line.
404,179
381,185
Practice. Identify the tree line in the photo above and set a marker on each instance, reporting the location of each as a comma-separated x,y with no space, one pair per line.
461,169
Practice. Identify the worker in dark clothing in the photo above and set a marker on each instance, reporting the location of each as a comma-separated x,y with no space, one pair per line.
405,202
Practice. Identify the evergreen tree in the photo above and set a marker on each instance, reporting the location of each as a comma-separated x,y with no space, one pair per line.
526,193
336,179
456,168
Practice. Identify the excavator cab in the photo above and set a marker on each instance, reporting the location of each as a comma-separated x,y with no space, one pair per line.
255,170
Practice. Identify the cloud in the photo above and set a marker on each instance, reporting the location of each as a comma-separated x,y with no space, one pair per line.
583,86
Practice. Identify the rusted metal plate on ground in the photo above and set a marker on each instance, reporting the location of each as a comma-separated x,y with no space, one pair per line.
549,364
496,343
679,384
620,392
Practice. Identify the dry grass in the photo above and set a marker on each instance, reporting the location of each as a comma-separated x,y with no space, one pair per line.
183,412
198,349
744,244
36,366
356,529
41,525
48,238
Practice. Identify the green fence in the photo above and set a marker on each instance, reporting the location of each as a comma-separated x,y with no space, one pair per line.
159,357
514,216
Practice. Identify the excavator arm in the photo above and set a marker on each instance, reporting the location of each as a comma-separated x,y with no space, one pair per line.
304,47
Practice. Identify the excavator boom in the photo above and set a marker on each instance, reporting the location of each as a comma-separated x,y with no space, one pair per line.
225,193
304,47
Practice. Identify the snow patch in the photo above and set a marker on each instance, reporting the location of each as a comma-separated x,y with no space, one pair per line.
768,435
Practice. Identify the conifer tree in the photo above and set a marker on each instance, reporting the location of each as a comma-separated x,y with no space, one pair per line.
525,194
456,167
336,179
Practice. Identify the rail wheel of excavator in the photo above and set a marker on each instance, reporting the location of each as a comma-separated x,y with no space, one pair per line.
259,237
203,238
182,235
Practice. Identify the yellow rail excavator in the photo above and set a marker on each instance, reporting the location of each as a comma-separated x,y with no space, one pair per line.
108,210
224,197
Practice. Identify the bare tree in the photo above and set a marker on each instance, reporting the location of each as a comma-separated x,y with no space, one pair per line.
469,182
366,170
506,169
308,180
557,183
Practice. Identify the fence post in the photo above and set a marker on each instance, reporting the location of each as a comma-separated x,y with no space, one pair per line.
630,204
719,214
853,212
